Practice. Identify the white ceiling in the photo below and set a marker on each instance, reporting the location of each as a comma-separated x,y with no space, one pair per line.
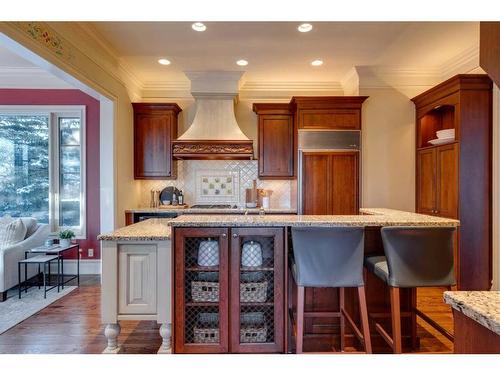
277,52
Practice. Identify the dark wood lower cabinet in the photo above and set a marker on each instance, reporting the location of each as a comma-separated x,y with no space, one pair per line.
201,295
231,298
229,290
473,338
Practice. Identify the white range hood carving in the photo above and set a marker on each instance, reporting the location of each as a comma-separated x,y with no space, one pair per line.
214,132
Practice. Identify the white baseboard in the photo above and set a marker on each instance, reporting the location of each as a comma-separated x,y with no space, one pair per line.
87,266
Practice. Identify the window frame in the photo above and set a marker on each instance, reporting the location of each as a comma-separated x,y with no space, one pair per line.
54,112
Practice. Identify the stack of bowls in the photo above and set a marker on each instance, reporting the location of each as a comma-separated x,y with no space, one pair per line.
443,136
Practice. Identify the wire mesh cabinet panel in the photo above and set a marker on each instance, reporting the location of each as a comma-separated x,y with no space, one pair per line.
257,290
201,290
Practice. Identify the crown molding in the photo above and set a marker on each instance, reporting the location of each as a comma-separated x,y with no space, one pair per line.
275,91
464,62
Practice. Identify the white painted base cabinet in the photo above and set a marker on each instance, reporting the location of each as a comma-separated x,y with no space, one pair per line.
136,285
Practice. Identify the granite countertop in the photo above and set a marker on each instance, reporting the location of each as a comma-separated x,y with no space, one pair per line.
369,217
148,230
481,306
235,211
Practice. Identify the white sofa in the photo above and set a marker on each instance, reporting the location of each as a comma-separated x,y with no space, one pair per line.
10,256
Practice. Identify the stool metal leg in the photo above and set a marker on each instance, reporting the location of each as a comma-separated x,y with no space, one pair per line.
342,318
396,320
363,312
19,278
49,272
25,278
62,271
299,338
44,281
58,276
38,276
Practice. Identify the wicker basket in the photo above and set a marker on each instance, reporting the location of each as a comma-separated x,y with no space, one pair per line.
206,335
253,292
253,334
204,291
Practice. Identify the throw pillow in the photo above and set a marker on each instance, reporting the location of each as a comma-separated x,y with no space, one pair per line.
12,233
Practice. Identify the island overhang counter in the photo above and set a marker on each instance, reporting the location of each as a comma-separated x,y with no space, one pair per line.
222,302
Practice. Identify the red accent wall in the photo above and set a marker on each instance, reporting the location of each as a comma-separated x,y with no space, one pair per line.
72,97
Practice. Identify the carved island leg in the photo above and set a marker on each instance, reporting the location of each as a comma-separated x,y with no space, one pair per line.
111,332
166,335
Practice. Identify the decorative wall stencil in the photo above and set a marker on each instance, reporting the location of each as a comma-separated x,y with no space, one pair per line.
283,191
44,35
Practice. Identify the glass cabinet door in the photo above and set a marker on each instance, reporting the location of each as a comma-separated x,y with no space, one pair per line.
201,275
256,290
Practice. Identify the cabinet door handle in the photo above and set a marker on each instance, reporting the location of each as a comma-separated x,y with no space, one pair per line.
224,235
235,235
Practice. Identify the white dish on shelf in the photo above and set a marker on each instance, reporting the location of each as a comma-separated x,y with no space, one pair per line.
441,141
446,133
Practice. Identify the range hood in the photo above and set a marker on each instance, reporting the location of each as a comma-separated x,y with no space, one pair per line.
214,132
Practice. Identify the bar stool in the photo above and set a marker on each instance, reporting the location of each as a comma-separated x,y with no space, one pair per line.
414,257
329,258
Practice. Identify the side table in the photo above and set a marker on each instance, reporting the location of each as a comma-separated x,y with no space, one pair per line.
39,260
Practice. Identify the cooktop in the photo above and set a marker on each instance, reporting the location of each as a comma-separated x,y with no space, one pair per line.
212,206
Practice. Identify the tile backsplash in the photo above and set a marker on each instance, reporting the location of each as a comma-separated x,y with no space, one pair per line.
221,181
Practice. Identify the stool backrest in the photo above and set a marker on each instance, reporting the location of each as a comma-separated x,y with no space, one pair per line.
328,257
419,256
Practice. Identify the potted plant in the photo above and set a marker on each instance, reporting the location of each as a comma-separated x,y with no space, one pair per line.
65,237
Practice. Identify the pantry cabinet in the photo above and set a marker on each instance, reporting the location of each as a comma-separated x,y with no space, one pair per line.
453,179
229,290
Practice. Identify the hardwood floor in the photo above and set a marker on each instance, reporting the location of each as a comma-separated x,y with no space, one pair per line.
72,325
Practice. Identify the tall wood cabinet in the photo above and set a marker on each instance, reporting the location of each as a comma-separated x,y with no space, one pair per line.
276,136
454,180
330,183
155,127
229,290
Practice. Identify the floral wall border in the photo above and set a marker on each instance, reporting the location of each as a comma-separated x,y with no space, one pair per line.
48,38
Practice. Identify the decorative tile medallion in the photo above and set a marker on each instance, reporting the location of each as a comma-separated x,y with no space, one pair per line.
220,186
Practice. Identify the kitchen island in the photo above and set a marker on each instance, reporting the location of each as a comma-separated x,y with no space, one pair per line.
234,299
228,298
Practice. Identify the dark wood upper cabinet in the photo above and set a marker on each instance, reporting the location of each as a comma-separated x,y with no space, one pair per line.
328,112
454,180
155,126
330,183
276,145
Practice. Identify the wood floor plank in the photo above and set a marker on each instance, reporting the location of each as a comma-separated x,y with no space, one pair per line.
72,325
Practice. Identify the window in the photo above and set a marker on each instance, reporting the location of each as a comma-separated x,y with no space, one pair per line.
42,171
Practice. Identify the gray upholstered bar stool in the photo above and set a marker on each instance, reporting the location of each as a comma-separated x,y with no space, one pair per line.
414,257
329,258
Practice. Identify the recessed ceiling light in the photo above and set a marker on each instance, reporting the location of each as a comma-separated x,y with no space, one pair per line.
164,61
198,26
305,27
242,62
317,62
